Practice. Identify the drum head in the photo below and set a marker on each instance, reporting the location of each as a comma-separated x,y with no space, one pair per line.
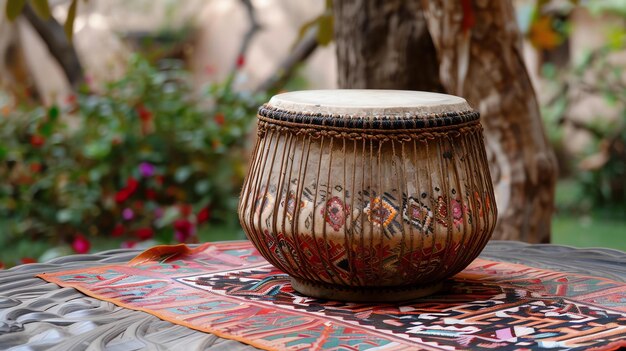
368,103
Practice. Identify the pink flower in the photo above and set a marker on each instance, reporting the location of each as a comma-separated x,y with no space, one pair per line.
80,244
146,169
158,212
183,229
128,214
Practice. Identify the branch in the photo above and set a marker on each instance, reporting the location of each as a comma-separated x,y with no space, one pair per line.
247,39
301,51
53,35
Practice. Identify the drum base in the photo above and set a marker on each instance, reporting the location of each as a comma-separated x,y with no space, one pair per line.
356,294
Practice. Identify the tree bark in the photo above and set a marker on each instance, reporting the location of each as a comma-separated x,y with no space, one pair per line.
477,49
384,44
53,35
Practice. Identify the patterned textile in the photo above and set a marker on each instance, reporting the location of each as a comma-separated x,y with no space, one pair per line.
229,290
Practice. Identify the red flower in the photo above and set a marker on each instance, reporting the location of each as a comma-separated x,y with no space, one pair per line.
144,233
171,191
203,215
35,167
183,229
219,119
126,192
159,179
1,265
144,113
183,225
26,260
122,196
150,194
132,184
138,205
185,210
128,244
118,230
241,60
80,244
37,140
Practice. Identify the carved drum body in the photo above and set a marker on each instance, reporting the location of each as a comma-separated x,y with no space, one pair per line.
368,195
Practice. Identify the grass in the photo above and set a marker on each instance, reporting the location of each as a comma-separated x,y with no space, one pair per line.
589,231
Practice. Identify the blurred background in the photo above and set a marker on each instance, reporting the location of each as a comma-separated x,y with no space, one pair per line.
128,123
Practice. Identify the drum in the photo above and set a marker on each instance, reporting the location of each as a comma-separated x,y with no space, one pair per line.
368,195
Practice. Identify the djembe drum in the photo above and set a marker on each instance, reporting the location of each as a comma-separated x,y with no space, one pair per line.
368,195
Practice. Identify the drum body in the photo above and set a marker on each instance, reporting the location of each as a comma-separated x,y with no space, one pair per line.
365,195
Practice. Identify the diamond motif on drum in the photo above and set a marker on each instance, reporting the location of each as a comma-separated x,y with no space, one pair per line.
335,213
418,215
380,212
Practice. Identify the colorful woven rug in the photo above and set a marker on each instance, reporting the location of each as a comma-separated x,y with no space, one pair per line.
229,290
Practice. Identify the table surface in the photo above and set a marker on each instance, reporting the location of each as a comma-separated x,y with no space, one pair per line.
37,315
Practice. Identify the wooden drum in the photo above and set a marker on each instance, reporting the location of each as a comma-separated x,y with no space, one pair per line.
368,195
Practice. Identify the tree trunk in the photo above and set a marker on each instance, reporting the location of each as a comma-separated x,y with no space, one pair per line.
478,48
384,44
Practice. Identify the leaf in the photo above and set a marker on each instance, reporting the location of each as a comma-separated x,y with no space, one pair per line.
97,150
53,113
182,174
325,29
41,8
69,22
46,129
169,215
14,8
305,28
64,215
202,187
542,35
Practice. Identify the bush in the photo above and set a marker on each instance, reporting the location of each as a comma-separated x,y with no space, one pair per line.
141,160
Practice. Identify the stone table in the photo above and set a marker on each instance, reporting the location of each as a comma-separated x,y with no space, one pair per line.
37,315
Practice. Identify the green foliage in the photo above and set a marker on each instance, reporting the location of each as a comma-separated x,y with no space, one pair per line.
601,168
14,8
69,22
143,159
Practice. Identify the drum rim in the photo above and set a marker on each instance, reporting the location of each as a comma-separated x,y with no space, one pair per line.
417,121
